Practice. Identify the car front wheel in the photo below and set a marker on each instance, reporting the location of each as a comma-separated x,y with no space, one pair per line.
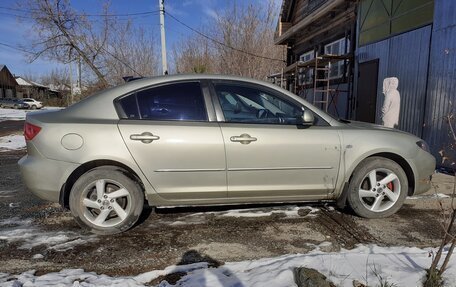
106,201
378,188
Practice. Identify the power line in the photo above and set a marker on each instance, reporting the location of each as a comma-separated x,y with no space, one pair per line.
122,62
16,48
109,53
122,15
15,15
152,12
221,43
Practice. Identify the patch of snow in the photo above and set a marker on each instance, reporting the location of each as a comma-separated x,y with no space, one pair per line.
38,256
325,244
12,142
29,236
288,211
19,115
403,266
7,193
14,205
429,196
16,221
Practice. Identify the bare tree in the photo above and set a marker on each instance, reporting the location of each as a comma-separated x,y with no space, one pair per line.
440,261
108,47
243,43
194,55
57,79
130,51
64,35
251,30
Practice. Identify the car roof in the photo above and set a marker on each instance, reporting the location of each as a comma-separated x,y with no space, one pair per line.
91,106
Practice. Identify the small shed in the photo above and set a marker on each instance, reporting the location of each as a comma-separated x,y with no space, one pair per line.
31,89
24,89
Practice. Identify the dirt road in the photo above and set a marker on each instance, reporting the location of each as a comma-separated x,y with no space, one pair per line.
38,235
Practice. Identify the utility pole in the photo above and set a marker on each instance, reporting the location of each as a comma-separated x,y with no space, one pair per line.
71,85
163,40
79,74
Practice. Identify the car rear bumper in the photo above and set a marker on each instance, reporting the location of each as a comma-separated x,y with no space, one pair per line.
424,169
45,177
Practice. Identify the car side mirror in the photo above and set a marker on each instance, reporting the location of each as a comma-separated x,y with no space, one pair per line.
307,118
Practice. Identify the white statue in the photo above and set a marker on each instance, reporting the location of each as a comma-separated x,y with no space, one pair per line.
392,104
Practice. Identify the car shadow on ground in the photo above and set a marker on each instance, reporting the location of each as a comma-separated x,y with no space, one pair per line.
202,277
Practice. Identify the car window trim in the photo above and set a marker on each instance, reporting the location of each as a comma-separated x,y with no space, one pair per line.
210,108
220,116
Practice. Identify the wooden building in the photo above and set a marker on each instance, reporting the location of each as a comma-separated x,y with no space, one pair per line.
412,40
8,84
320,39
31,89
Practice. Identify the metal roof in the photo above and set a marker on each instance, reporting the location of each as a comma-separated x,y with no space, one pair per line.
22,82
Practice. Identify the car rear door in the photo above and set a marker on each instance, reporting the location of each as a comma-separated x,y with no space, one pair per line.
268,153
175,140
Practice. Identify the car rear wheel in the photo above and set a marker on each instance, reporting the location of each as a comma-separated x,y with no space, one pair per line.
378,188
106,201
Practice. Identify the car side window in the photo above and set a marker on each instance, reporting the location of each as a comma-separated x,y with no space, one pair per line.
172,102
242,104
130,107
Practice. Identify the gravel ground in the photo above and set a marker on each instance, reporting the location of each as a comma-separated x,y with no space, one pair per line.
39,235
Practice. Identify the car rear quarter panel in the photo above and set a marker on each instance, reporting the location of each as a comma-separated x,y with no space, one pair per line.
101,141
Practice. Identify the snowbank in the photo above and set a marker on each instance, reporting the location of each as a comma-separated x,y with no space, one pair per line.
19,115
27,236
402,266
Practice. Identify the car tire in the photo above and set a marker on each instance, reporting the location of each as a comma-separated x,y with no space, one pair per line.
378,188
106,201
16,107
33,107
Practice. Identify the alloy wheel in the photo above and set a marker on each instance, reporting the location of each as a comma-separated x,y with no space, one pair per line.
379,190
106,203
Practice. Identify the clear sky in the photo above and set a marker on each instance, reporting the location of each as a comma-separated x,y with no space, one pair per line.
192,12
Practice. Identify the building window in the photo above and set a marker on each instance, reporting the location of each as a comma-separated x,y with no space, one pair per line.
380,19
339,47
306,75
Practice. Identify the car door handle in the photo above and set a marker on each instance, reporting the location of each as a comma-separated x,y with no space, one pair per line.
145,137
243,139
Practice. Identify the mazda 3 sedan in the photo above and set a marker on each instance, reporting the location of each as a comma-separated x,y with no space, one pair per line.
207,139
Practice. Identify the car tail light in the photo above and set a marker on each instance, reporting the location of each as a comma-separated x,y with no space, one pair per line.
30,131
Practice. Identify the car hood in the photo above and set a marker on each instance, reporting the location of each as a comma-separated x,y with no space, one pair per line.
364,125
369,126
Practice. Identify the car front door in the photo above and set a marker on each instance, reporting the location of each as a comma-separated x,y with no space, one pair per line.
268,152
171,137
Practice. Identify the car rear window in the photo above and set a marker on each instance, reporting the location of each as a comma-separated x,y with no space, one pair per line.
172,102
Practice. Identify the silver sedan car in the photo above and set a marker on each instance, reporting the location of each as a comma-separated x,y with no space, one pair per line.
206,139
